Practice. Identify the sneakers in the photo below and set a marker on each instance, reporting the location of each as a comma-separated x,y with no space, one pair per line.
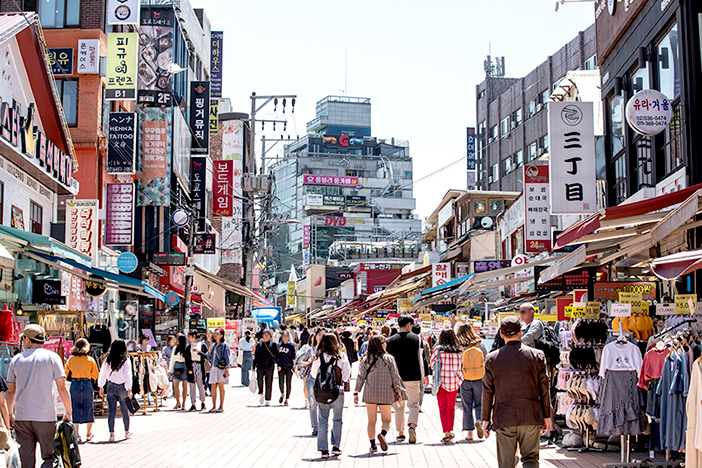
111,439
412,435
128,435
280,400
400,438
383,442
374,449
286,403
261,400
193,408
314,432
479,429
325,453
336,450
469,436
268,403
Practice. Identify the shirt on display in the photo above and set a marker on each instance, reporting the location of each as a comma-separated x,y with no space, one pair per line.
621,357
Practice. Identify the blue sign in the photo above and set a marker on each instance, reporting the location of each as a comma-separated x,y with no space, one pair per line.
470,146
172,299
127,262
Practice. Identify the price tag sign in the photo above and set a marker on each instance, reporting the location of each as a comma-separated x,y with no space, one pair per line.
569,311
621,310
682,304
578,311
592,310
635,299
698,308
425,317
665,309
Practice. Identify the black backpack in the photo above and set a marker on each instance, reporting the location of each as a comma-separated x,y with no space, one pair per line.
326,388
548,343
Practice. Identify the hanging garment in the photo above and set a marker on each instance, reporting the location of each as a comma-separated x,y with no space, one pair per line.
620,404
5,359
693,439
100,334
652,366
66,453
136,382
672,394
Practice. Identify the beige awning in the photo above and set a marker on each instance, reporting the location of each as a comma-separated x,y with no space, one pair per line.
567,263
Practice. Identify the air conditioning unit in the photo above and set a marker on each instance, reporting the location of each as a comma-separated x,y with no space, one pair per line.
539,107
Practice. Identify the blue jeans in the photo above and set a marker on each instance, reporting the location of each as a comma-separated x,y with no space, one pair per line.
116,393
471,396
246,368
323,415
309,385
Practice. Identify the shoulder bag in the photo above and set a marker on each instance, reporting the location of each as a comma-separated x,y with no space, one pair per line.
436,369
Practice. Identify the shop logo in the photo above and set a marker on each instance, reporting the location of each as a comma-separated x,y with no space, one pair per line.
344,140
571,115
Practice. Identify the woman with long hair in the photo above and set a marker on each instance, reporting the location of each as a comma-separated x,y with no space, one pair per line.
448,354
219,371
286,362
306,372
246,345
116,372
209,342
81,369
473,368
383,387
265,360
179,372
329,354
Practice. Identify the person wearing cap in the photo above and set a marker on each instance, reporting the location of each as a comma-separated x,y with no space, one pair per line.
516,399
30,403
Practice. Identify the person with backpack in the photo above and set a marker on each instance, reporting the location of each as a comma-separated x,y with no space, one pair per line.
532,328
473,369
332,373
446,360
306,360
383,387
264,363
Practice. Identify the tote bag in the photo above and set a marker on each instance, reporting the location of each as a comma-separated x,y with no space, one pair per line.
436,369
252,381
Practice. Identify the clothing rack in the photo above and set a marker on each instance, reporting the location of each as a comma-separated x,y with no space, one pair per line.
669,329
147,404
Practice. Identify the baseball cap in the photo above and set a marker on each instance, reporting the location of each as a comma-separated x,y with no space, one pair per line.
35,333
510,326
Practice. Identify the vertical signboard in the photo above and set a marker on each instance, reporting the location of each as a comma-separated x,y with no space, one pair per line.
223,176
214,115
122,12
82,227
440,274
156,51
121,142
119,214
198,191
155,137
122,55
217,38
537,228
305,246
88,57
571,131
470,146
233,150
199,116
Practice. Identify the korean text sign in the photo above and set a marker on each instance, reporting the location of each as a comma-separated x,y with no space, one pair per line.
122,55
119,214
88,56
217,40
572,157
537,229
198,191
440,274
200,116
156,36
233,151
121,142
82,227
223,173
155,137
310,179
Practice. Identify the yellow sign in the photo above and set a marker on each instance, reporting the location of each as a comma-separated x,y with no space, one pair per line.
635,299
569,311
682,303
122,59
214,115
291,293
404,306
362,323
216,322
425,317
592,310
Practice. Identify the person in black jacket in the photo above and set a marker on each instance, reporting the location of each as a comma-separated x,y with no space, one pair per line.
265,360
286,362
350,346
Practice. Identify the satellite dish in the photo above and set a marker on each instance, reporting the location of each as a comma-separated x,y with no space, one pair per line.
486,222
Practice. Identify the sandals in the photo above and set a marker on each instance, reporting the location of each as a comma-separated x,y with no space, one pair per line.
446,439
89,437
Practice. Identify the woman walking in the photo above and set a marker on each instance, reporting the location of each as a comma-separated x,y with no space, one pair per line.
219,372
329,355
473,369
209,342
179,372
286,362
306,372
383,387
246,345
264,362
81,369
116,372
448,354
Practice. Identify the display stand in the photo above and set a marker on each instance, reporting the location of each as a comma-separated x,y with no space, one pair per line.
147,405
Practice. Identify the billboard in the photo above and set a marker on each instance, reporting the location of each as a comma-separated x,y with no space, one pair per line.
119,214
156,51
222,191
537,225
155,137
199,116
344,181
216,43
121,142
82,227
122,59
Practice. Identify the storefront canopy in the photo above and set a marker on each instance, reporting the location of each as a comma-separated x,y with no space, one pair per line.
677,265
441,288
24,239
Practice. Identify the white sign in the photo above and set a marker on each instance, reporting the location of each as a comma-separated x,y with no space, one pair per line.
314,199
82,227
648,112
621,310
537,225
440,273
665,309
571,130
88,56
123,11
520,260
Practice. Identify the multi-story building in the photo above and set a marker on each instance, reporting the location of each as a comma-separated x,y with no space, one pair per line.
512,122
342,185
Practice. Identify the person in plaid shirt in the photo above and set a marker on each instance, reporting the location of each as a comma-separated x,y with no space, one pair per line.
449,352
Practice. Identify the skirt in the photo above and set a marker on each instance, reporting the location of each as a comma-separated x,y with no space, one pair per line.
621,405
82,401
180,372
217,376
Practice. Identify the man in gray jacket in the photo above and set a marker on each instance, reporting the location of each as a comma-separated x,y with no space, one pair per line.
516,398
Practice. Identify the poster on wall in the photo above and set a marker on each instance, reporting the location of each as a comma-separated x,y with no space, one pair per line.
571,131
216,42
199,116
17,220
537,225
155,137
198,191
82,227
233,150
122,58
119,214
156,51
121,142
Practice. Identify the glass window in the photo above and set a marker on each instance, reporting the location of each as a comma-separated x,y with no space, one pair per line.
493,132
518,116
68,90
531,152
668,62
495,173
616,123
531,108
591,63
479,207
59,13
672,148
36,214
408,174
544,96
639,80
518,159
496,206
504,126
620,187
543,143
507,166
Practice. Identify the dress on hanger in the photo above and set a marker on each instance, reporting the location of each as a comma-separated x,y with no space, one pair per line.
693,438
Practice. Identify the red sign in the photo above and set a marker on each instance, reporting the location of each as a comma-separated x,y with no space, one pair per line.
223,202
609,290
537,222
119,214
311,179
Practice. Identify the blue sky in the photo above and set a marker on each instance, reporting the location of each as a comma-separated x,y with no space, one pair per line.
418,61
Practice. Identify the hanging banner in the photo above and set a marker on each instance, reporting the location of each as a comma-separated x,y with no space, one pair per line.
156,51
217,39
199,116
82,227
61,61
470,148
440,274
571,131
198,192
121,142
119,214
214,116
88,57
122,12
537,229
222,175
306,241
291,299
233,150
155,136
122,58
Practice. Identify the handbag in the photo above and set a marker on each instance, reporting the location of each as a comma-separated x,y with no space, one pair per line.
240,357
252,381
132,405
436,369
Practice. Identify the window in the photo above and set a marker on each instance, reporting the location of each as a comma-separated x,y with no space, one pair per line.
616,123
543,143
355,173
408,174
493,132
518,159
495,173
68,90
639,80
481,94
59,13
479,207
544,96
507,166
36,214
518,116
620,187
531,108
2,203
504,126
668,64
531,152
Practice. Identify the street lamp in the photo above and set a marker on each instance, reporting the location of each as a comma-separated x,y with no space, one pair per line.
562,2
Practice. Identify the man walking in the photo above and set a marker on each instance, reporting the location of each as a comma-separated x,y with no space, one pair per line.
516,397
533,328
30,402
196,374
406,348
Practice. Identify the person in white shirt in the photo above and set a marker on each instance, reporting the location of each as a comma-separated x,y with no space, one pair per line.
196,372
179,372
246,344
116,372
329,352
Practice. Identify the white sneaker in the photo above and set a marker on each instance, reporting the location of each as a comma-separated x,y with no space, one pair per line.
260,400
128,435
112,439
268,403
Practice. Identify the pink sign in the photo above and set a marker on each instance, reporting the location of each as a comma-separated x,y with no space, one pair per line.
306,236
82,227
223,175
311,179
119,214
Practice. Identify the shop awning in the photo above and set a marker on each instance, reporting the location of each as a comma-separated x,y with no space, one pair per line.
6,258
345,308
374,307
400,288
441,288
29,239
229,285
564,265
674,266
484,279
